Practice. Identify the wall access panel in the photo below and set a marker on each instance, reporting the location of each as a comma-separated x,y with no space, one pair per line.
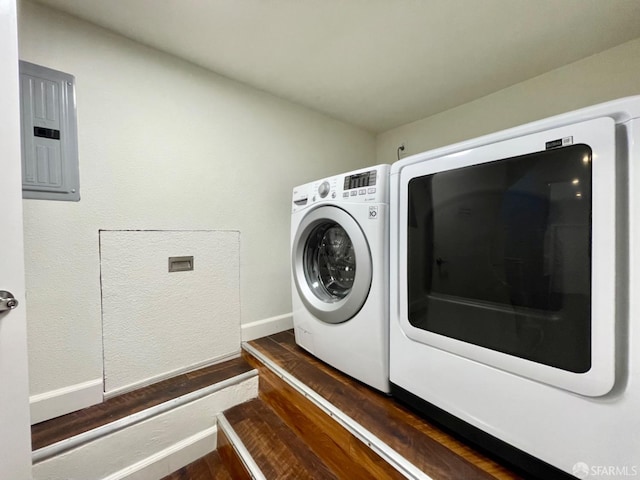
49,134
160,321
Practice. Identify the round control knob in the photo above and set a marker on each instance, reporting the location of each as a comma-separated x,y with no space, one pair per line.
323,189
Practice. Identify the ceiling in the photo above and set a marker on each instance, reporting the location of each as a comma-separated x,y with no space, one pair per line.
377,64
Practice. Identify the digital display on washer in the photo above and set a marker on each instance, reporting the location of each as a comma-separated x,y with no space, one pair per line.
358,180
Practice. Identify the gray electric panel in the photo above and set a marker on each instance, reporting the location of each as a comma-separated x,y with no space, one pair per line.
49,134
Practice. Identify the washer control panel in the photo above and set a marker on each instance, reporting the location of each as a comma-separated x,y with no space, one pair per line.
360,184
358,180
368,185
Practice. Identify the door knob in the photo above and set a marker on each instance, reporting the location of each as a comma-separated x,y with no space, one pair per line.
7,301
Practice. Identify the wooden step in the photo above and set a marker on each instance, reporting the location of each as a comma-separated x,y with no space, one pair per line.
229,453
274,447
61,428
413,446
209,467
148,432
346,455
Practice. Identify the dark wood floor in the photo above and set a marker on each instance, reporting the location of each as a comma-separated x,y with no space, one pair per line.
275,447
343,453
209,467
60,428
431,449
305,443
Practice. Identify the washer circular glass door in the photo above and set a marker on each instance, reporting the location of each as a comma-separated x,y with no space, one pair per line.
331,264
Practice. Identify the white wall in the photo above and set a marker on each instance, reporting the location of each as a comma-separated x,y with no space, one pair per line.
608,75
166,145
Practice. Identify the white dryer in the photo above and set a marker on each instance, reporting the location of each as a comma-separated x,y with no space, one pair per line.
340,254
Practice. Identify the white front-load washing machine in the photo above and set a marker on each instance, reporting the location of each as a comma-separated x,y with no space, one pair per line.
339,254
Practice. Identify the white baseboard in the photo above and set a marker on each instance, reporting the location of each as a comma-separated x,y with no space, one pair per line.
170,374
267,326
65,400
172,458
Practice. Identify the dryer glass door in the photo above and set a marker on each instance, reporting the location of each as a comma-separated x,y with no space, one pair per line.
331,264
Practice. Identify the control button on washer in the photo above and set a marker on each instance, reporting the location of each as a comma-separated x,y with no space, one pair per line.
372,190
323,189
362,191
353,193
345,194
